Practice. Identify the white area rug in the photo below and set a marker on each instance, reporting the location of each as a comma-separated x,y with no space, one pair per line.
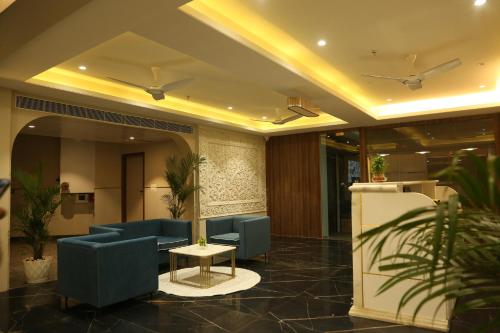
221,284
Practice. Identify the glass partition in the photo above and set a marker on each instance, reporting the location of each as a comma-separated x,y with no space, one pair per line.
416,152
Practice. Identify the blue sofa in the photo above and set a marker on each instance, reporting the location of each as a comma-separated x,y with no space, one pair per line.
252,235
169,233
104,269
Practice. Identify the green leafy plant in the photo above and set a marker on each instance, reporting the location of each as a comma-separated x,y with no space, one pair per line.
378,165
202,241
178,176
454,246
38,207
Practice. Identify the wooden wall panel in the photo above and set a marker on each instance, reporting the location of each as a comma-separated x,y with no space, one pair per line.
293,185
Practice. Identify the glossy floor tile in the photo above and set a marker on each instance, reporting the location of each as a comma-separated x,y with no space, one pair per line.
305,287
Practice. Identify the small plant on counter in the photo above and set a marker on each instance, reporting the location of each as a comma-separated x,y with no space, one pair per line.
378,167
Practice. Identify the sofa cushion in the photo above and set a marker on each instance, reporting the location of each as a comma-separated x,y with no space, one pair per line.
232,238
140,229
166,242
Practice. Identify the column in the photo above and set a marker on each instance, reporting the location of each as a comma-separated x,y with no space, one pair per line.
5,164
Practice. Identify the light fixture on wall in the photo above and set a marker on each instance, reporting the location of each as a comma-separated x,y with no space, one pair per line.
423,152
321,42
469,149
479,3
131,138
31,126
383,154
82,67
229,107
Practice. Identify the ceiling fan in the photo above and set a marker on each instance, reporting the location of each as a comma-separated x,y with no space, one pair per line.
279,120
156,90
414,81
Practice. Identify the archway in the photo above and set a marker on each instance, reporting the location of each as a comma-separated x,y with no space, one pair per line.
87,155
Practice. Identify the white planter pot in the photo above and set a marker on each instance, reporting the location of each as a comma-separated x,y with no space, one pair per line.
37,271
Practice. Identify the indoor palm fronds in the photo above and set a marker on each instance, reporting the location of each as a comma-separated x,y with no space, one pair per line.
38,207
453,248
178,176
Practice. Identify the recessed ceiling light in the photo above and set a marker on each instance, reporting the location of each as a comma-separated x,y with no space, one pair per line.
321,42
478,3
82,67
423,152
469,149
264,117
131,138
31,126
389,100
230,107
482,86
383,155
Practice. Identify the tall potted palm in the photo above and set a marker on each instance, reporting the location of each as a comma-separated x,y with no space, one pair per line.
178,176
38,207
455,244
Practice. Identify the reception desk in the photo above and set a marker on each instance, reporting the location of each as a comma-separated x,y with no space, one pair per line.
374,204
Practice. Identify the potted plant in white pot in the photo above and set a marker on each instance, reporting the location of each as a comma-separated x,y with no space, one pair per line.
38,207
378,168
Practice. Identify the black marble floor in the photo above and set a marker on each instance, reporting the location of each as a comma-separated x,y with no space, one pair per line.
306,287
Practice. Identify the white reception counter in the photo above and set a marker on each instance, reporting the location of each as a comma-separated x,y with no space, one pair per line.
374,204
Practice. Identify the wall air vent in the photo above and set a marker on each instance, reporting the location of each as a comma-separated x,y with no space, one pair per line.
301,106
35,104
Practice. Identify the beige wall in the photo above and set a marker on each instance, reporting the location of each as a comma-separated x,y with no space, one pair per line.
5,162
108,181
104,177
234,176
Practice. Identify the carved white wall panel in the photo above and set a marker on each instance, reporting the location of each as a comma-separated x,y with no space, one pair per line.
234,177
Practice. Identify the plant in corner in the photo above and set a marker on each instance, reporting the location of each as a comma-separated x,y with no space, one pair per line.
39,204
178,175
378,167
454,245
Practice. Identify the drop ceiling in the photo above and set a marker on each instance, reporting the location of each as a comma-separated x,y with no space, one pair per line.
251,54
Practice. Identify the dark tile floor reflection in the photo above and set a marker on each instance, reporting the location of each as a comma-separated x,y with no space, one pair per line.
306,287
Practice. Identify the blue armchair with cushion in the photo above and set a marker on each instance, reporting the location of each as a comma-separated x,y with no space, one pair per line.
252,235
169,233
104,269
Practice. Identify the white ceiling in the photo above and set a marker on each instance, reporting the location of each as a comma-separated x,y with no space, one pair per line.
124,38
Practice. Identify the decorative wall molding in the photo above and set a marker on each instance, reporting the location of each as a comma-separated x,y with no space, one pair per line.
234,177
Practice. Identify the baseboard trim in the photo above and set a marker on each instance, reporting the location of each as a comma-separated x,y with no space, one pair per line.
429,323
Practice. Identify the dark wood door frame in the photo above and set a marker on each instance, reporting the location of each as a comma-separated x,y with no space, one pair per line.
124,184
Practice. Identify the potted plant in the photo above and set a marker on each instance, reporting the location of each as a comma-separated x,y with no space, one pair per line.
202,242
38,207
378,167
455,244
178,176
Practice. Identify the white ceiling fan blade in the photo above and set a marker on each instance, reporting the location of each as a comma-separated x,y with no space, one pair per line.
176,84
440,68
128,83
288,119
400,79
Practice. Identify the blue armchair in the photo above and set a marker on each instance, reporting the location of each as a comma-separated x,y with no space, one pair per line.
252,235
169,233
104,269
